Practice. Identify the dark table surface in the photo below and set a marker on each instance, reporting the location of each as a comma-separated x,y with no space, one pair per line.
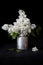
8,56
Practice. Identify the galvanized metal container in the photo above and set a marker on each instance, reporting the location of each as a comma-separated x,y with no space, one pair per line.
22,42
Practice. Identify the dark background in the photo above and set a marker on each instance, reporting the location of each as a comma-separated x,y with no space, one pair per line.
9,13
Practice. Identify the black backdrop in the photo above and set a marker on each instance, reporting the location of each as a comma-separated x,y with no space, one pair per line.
9,13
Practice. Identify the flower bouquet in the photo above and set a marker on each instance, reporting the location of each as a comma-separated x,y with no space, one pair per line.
21,29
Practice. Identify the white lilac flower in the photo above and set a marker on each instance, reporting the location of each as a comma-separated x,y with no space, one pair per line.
16,29
26,19
22,25
22,16
10,30
23,30
21,12
5,27
20,20
14,23
33,26
34,49
17,19
29,30
26,23
10,25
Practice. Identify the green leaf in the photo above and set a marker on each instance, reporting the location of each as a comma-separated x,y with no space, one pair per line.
33,34
11,49
18,50
38,30
39,27
14,35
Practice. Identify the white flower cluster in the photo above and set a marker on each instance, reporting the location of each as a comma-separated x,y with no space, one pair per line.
34,49
21,26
